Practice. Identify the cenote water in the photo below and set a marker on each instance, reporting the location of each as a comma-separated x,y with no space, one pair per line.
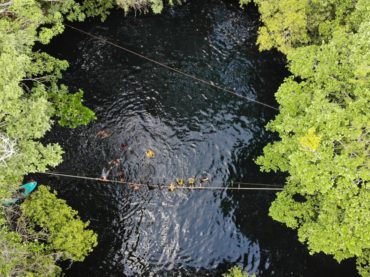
193,129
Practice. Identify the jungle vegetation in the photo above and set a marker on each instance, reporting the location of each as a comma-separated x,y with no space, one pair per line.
43,229
236,271
323,126
323,123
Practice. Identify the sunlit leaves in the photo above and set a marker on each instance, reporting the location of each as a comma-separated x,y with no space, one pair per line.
24,259
48,230
66,233
143,5
310,141
289,24
30,99
236,271
324,129
69,108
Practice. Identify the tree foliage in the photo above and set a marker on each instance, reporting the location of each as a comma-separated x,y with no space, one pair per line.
236,271
47,230
65,232
289,24
32,98
20,258
323,123
102,8
144,5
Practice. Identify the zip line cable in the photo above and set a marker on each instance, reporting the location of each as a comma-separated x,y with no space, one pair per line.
254,184
209,83
165,186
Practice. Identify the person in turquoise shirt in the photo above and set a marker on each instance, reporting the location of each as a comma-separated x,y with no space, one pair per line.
23,192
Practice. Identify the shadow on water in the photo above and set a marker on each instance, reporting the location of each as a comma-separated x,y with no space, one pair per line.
192,129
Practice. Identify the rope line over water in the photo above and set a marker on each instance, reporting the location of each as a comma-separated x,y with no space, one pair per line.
271,188
209,83
173,186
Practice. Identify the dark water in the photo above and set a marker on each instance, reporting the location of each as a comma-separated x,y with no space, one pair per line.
193,129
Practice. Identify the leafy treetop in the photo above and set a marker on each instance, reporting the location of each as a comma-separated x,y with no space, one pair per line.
236,271
289,24
323,123
60,235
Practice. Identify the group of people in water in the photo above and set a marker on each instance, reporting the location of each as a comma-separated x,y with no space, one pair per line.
190,182
115,169
114,165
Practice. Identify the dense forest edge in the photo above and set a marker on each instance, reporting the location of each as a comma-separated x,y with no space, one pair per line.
323,125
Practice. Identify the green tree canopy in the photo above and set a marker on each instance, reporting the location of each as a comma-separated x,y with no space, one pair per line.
32,99
65,232
236,271
289,24
323,123
60,235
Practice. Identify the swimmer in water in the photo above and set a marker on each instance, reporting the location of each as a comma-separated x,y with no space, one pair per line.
115,162
123,146
105,174
121,175
204,178
151,187
135,187
103,134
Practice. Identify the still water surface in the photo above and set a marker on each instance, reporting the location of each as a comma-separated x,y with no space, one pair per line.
194,130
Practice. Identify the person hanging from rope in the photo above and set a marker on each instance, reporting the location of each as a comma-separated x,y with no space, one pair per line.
191,181
135,187
121,175
102,134
105,174
115,162
204,178
123,146
114,166
268,187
